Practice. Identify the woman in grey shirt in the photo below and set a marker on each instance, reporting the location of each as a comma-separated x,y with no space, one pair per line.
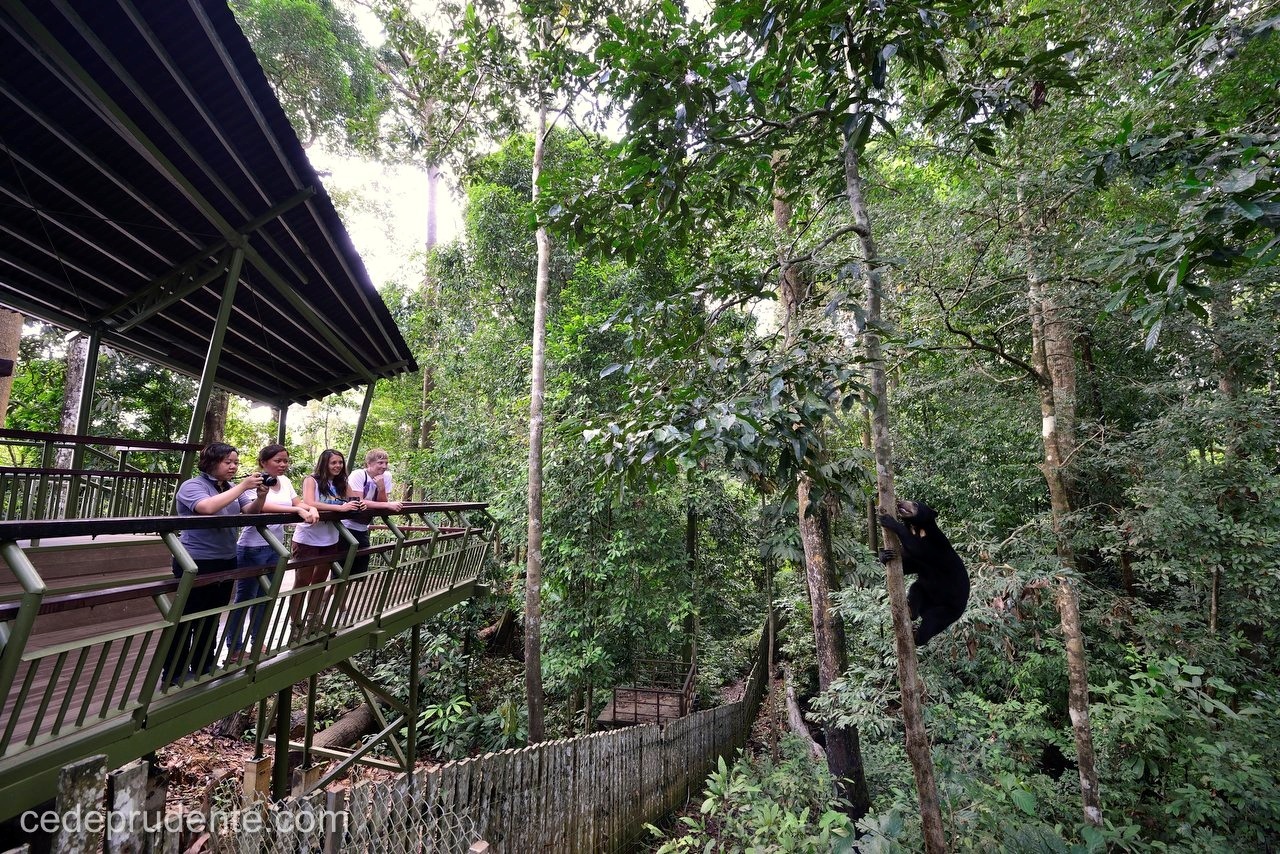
211,493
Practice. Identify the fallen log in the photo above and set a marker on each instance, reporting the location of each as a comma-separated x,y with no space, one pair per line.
348,729
796,721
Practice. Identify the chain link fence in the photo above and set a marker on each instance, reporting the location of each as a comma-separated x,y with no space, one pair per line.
388,818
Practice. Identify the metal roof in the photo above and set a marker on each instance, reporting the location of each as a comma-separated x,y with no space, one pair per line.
141,148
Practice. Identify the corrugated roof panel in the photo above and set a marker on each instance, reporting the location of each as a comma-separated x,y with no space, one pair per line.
147,137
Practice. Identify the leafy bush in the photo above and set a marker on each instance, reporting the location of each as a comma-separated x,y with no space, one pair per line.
1189,760
757,806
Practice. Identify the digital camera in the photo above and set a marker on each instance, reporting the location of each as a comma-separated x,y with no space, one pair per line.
269,479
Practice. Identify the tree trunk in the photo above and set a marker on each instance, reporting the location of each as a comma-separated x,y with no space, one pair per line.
69,417
533,579
844,753
1215,575
689,648
425,427
918,751
873,525
1060,359
1224,363
433,208
10,342
1078,699
796,722
348,729
770,664
1050,427
215,417
1054,339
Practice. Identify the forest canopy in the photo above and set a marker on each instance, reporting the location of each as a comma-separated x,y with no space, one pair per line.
1059,221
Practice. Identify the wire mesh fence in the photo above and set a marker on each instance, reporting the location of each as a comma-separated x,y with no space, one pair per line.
387,817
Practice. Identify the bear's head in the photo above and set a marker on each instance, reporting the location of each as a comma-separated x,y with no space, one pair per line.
916,513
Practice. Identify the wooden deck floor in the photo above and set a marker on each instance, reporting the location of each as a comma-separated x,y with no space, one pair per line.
631,706
51,693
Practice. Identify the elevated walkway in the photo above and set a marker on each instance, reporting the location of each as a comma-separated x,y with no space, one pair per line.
86,627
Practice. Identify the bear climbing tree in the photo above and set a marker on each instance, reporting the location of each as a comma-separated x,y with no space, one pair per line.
940,592
918,751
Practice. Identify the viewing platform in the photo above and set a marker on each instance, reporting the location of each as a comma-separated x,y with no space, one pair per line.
88,617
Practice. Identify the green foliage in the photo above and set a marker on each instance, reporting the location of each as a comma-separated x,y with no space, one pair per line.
455,730
1115,157
1213,166
134,399
35,399
318,65
467,704
755,805
1190,755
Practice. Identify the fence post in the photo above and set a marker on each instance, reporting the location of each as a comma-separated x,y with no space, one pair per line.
127,800
81,788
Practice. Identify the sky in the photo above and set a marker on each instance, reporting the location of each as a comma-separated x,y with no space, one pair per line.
384,207
388,242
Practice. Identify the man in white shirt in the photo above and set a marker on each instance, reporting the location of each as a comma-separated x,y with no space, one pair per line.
373,482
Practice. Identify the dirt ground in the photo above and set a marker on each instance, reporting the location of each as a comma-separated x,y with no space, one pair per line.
196,763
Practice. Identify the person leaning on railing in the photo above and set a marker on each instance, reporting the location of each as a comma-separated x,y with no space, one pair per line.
212,493
328,491
373,484
252,548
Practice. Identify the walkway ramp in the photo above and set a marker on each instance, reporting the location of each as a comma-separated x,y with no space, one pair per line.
81,650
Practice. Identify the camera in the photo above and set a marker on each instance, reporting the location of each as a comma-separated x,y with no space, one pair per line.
268,479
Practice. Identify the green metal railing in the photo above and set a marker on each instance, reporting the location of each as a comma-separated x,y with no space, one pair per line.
106,477
111,685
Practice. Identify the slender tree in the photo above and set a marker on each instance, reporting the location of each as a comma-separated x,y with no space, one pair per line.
10,338
815,513
537,399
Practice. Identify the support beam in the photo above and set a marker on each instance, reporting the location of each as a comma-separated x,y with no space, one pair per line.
364,415
411,731
366,684
310,729
282,418
84,416
307,312
280,765
306,393
163,291
210,371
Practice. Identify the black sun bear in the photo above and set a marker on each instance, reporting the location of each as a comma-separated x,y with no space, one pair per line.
940,592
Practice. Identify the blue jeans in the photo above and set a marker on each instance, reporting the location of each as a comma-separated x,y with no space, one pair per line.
246,589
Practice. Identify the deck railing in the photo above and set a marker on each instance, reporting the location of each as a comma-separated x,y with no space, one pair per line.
103,476
654,683
52,688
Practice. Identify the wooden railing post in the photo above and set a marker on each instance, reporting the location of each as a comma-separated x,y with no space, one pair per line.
117,494
42,492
